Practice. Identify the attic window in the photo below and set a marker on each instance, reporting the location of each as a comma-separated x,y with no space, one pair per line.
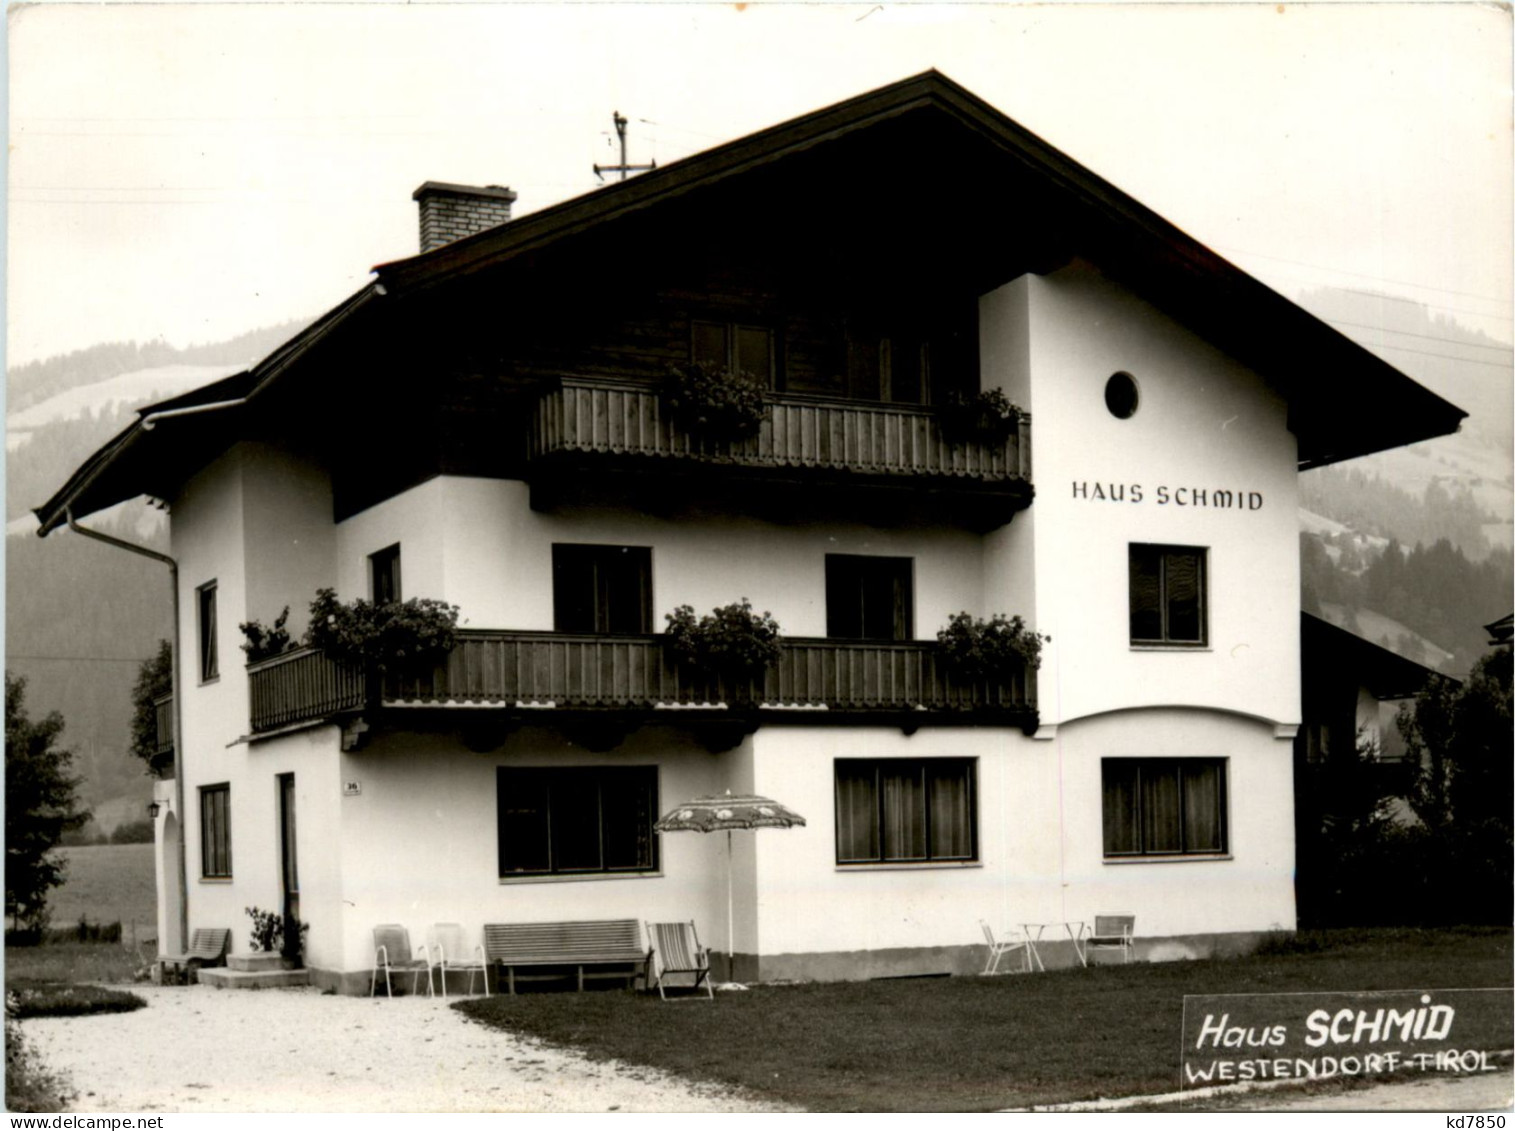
734,347
1121,396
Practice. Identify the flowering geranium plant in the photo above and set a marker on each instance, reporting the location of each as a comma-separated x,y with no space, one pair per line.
714,403
987,649
263,642
988,417
382,636
732,640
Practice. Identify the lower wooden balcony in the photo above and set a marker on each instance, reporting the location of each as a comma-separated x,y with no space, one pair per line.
542,676
163,718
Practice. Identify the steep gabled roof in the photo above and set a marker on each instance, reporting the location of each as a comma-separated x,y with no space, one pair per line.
1344,401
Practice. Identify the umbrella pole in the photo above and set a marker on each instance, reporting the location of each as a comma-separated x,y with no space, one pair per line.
730,917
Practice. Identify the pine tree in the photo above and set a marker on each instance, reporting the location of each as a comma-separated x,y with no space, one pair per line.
41,804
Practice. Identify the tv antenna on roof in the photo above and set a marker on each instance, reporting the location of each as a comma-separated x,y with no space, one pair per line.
622,168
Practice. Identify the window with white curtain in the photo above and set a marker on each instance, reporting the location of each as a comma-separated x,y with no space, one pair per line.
1164,806
905,810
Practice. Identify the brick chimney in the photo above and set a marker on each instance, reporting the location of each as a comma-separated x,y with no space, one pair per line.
450,212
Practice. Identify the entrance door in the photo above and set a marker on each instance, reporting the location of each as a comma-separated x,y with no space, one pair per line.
289,873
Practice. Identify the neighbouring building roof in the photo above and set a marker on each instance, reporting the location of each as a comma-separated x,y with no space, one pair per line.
1501,630
1005,203
1330,650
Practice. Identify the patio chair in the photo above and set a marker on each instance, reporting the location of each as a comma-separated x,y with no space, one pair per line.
998,948
677,953
1112,932
449,951
391,953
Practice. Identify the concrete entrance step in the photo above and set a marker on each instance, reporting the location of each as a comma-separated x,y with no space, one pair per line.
226,978
257,963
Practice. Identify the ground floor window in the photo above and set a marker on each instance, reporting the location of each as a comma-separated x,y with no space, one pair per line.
904,810
577,819
215,832
1164,806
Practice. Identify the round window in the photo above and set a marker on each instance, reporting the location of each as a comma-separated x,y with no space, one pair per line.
1121,396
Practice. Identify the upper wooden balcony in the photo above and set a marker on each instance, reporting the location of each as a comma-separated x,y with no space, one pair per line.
850,456
543,675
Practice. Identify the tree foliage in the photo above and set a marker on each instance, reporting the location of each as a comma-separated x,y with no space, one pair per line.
1432,589
155,679
41,804
1460,737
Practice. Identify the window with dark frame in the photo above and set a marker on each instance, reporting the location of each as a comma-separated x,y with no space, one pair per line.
910,356
1164,806
734,347
205,604
215,832
577,820
906,810
384,575
1168,594
869,598
602,590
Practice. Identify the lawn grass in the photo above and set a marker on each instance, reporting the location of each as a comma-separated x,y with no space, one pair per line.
67,999
108,883
968,1044
75,962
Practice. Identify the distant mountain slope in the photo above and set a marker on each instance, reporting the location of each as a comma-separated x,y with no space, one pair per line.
1389,633
96,398
81,616
36,381
1469,368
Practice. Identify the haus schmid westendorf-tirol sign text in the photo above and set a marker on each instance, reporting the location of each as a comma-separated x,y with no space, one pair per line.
1246,1038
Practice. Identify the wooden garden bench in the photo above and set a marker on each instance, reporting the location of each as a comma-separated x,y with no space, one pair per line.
581,946
207,947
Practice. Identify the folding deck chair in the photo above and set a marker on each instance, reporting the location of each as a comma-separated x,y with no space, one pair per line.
676,952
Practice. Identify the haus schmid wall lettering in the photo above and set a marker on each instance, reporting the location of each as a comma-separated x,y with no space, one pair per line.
1164,495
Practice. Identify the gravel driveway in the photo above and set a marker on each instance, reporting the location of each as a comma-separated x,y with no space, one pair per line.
202,1049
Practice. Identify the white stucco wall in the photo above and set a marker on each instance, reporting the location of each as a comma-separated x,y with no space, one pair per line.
1204,422
290,541
418,841
207,540
1251,890
1040,823
478,544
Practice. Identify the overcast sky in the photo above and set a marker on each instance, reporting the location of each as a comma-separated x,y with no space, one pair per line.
190,172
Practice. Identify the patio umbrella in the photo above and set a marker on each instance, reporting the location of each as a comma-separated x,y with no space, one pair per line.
728,811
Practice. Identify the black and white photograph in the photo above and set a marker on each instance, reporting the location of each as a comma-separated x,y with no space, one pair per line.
759,559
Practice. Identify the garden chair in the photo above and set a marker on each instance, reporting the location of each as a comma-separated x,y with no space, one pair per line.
207,947
449,951
391,953
998,948
677,953
1112,932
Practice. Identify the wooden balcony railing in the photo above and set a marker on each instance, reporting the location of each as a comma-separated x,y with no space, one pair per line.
163,718
299,686
586,416
635,673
